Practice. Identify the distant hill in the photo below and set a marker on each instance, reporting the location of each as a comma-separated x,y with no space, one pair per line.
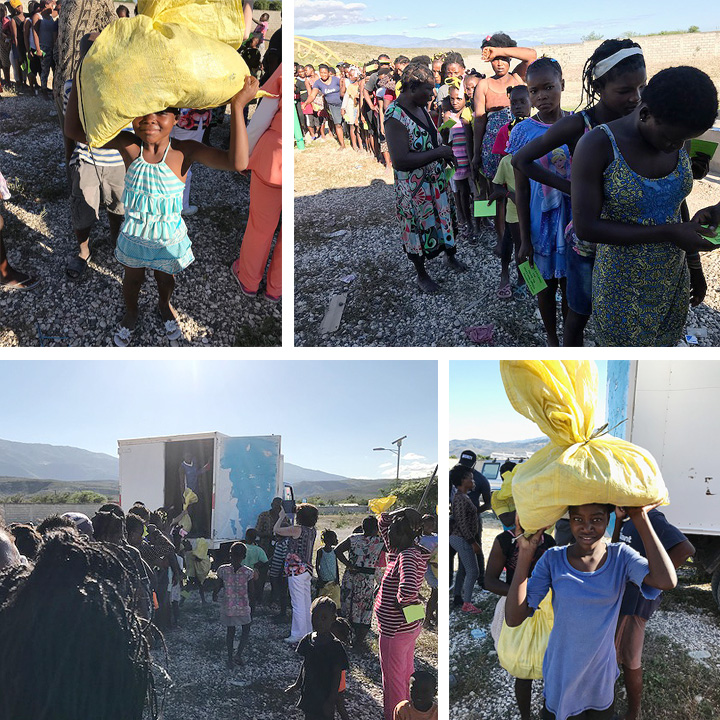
295,474
340,490
57,462
486,447
404,41
26,486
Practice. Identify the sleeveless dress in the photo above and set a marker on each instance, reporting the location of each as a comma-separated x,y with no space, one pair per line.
641,293
153,234
426,215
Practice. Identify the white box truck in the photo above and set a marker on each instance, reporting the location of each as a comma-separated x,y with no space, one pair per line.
235,479
672,409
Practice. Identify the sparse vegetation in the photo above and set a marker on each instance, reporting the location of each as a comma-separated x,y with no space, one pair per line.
84,497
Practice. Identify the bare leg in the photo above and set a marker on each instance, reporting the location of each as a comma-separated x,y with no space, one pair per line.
229,640
340,136
424,281
83,238
239,660
633,685
115,221
132,282
523,694
166,285
548,311
573,331
8,275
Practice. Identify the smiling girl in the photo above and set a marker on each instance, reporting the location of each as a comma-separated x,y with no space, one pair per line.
631,178
588,581
154,235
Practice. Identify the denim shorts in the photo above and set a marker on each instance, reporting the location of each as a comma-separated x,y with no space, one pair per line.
579,282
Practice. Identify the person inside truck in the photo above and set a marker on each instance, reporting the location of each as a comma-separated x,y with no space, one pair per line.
190,473
587,580
635,610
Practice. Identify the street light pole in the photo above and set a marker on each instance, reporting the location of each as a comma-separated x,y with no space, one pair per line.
397,442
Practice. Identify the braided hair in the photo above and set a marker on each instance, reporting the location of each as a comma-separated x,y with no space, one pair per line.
545,63
71,645
591,88
415,75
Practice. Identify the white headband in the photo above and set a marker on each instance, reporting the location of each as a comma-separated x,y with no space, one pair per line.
610,62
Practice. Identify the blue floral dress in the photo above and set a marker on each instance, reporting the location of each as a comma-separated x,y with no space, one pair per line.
427,217
549,208
641,293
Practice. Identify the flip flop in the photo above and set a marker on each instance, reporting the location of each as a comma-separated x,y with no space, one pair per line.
504,292
243,289
77,267
27,284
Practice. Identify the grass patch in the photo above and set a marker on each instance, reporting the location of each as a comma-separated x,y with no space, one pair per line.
267,334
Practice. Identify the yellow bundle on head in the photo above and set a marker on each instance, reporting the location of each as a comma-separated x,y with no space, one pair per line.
175,53
579,465
381,505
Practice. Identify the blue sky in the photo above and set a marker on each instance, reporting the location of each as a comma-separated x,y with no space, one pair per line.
330,414
479,407
532,22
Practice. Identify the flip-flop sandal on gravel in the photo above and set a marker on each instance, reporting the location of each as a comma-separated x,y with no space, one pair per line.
27,284
122,336
504,292
76,268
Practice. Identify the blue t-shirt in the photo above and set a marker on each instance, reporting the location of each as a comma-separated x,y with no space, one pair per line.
580,667
331,90
633,603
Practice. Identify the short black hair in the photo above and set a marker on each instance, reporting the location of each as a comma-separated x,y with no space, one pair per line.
545,63
329,537
307,515
591,87
424,678
608,507
510,88
140,510
113,508
458,472
323,65
416,74
323,601
499,40
55,522
251,534
422,60
369,524
106,524
133,523
401,59
240,549
28,540
683,96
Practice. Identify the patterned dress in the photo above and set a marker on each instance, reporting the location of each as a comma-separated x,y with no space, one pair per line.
490,160
427,217
358,589
641,293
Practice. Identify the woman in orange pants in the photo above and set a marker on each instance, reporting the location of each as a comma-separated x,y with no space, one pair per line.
265,207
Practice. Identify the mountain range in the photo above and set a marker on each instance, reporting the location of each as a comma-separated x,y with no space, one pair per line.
404,41
30,468
486,447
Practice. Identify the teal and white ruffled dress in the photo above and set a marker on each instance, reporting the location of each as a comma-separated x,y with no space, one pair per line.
153,235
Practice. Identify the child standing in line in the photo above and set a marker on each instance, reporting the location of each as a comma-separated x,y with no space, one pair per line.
613,77
255,559
504,556
326,560
504,187
460,140
324,660
235,609
588,582
421,705
153,235
544,212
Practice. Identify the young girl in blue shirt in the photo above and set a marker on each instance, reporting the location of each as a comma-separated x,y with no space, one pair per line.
588,581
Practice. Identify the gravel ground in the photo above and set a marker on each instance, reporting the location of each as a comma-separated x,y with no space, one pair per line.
345,225
480,687
40,240
203,687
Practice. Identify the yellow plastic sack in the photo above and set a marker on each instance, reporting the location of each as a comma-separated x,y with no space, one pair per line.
502,499
579,465
381,505
521,649
189,497
331,590
175,53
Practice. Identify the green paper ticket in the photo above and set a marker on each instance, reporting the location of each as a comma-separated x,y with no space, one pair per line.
413,613
533,278
715,240
702,146
483,208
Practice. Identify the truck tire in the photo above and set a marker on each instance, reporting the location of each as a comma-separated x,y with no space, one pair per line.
715,585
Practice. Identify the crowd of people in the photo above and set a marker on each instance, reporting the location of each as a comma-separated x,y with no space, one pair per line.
102,591
492,154
154,155
606,567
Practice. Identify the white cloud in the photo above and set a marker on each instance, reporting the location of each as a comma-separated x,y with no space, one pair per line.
409,470
329,13
393,18
432,25
413,456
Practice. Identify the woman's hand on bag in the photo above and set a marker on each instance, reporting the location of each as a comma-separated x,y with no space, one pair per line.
530,544
248,92
635,512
